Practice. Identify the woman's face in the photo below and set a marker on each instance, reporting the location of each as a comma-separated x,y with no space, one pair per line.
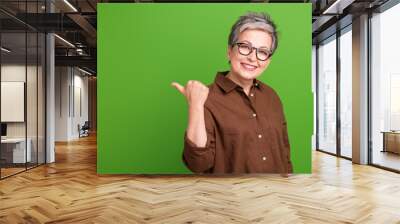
249,67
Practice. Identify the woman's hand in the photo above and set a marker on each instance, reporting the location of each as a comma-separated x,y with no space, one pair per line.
196,93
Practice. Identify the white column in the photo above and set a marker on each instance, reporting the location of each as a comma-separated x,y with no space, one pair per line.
50,92
50,99
360,90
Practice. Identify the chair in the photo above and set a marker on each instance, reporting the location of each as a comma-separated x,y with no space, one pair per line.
84,130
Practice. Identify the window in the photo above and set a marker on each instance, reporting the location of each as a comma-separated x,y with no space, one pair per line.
346,75
327,95
385,89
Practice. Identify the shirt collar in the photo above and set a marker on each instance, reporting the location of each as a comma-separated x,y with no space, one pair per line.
228,85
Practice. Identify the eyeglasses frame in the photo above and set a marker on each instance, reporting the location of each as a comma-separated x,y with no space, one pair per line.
252,49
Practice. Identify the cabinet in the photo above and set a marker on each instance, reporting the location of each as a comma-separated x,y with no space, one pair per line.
391,141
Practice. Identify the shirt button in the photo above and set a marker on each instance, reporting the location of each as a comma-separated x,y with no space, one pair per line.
264,158
254,115
251,94
259,136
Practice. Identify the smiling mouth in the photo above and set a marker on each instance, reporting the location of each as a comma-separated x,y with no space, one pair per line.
248,67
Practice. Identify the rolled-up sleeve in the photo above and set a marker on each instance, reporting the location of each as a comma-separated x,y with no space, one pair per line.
287,147
201,159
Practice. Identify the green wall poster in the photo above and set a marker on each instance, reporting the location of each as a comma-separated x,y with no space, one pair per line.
142,48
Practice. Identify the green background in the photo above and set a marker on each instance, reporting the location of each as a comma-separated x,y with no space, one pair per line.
142,48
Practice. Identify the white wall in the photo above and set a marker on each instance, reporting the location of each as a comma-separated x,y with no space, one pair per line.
33,127
15,72
62,81
71,102
80,110
13,101
9,73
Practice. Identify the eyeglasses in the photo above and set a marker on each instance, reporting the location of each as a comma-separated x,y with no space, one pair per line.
245,49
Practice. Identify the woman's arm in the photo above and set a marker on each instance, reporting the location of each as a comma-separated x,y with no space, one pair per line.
196,130
196,94
197,158
199,143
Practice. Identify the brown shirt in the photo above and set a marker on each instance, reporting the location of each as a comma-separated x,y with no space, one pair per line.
245,133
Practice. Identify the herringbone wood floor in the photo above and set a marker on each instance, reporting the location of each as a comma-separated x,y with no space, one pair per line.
70,191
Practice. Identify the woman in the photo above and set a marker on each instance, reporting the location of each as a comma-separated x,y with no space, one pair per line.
237,124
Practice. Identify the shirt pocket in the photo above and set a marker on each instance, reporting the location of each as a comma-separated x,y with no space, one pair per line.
237,125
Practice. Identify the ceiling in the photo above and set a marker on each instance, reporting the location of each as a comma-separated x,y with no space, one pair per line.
76,22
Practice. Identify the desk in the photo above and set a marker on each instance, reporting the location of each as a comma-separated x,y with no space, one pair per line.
391,141
15,148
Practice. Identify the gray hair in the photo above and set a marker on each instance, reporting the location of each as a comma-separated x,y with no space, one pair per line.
254,20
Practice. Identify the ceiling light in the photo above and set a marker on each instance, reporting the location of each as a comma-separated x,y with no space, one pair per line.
70,5
337,7
79,51
5,49
84,71
64,40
